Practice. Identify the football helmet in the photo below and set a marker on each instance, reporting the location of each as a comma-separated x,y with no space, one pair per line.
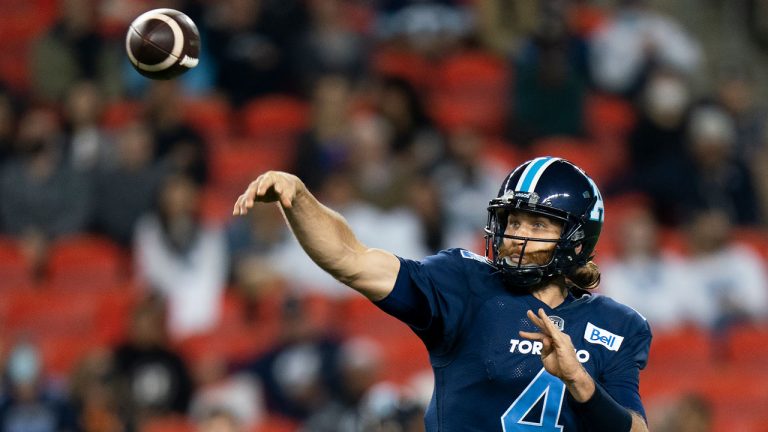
555,188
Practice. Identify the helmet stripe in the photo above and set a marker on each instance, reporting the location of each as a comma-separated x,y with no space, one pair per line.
531,177
532,166
541,170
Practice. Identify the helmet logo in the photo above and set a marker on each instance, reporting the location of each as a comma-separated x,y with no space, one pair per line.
530,198
599,208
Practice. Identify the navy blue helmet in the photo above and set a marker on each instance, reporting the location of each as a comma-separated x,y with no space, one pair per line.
555,188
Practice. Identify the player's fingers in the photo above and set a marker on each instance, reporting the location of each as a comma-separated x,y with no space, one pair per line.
537,321
532,335
237,209
547,322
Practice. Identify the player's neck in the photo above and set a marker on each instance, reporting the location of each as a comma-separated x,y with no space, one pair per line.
551,294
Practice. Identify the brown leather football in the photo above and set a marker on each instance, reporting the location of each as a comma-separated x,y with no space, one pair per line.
163,43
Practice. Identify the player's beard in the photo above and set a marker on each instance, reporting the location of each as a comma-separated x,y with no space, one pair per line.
530,259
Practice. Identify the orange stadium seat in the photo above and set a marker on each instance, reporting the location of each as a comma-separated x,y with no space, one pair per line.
275,117
86,262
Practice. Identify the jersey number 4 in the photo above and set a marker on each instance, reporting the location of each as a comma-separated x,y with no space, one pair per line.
545,386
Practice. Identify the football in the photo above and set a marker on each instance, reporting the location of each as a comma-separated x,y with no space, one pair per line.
163,44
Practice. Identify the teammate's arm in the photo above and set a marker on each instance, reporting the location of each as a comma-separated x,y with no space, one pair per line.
559,358
324,235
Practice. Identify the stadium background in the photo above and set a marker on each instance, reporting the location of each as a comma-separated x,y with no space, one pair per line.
323,88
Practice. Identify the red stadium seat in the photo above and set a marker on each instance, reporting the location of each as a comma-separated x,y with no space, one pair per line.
609,115
121,113
403,64
503,153
45,312
15,273
170,423
748,345
586,155
275,117
275,423
86,262
685,346
61,353
754,238
471,90
235,162
208,116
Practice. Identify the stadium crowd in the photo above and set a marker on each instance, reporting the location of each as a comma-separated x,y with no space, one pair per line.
130,299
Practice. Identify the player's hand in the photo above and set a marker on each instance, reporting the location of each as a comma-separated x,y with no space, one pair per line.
558,353
272,186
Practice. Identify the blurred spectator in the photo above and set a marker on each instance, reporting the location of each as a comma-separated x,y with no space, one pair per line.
252,38
358,405
43,198
551,80
690,413
324,147
636,39
219,420
93,390
727,283
238,395
87,146
251,241
397,229
73,50
715,177
657,144
27,406
416,141
377,176
423,198
465,180
737,93
432,28
327,46
644,275
126,189
175,141
502,25
153,379
296,372
183,259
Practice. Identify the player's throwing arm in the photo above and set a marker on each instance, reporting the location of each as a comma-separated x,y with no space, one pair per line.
323,234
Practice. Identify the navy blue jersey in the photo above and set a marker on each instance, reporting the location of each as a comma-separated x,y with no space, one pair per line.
488,378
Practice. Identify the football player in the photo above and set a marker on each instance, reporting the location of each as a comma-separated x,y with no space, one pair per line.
515,341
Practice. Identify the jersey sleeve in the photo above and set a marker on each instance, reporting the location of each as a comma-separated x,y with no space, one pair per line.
621,379
430,296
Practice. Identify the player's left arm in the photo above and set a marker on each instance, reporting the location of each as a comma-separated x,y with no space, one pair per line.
559,358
